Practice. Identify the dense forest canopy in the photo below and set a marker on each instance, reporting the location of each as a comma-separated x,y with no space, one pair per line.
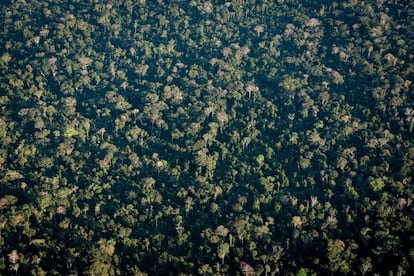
243,137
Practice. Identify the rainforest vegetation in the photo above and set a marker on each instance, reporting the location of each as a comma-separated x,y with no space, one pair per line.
193,137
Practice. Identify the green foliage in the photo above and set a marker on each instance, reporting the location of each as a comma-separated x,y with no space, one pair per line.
206,137
70,131
377,184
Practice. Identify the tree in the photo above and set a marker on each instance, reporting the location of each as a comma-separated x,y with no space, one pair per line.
260,160
259,29
251,88
338,256
222,250
14,260
297,221
247,269
377,184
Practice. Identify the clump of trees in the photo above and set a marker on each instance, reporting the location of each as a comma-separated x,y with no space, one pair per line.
206,137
